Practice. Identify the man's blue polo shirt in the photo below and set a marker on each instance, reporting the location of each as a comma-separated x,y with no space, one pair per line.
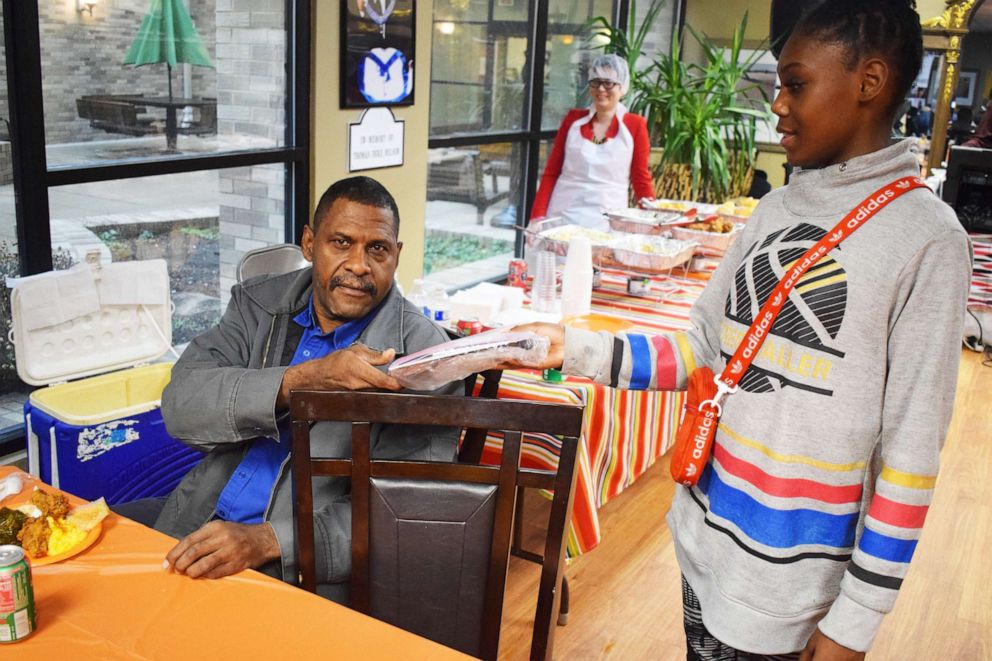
246,495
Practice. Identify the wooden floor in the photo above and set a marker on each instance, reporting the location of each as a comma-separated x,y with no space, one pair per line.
626,601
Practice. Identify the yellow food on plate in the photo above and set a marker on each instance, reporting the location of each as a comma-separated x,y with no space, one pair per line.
87,517
63,537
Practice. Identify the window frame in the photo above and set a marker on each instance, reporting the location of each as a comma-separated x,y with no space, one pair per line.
33,177
533,135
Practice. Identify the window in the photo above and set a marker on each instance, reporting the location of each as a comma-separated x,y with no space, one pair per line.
196,163
100,108
199,222
491,109
11,389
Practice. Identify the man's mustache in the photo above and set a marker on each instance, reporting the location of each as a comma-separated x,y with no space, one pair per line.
366,286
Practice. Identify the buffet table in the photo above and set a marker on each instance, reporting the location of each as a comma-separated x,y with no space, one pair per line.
624,432
114,601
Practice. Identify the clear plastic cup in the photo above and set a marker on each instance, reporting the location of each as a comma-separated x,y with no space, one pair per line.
543,293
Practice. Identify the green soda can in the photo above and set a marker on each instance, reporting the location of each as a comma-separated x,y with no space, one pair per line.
17,619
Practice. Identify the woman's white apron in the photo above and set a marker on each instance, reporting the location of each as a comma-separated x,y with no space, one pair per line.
593,177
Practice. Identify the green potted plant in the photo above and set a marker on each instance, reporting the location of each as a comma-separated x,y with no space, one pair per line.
704,120
700,115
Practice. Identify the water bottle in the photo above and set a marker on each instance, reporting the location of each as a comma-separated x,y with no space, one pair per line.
440,304
543,294
576,281
418,296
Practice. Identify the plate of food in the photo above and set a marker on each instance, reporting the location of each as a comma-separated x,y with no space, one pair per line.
47,526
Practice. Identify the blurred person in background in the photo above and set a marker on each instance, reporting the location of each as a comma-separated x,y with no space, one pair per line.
983,134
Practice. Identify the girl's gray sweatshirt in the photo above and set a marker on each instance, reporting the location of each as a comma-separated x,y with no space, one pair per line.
825,460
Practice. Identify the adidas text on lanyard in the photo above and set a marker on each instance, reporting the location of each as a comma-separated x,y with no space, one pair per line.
705,392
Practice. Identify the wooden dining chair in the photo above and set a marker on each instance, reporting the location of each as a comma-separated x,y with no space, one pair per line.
470,451
431,541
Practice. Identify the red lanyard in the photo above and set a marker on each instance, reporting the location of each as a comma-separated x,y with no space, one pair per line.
748,348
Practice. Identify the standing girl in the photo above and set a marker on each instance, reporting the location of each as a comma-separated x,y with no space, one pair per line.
798,535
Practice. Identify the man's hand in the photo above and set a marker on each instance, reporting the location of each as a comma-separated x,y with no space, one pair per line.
348,369
556,353
222,548
821,648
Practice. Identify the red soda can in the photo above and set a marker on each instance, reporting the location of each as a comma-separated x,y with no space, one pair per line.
466,327
17,616
518,274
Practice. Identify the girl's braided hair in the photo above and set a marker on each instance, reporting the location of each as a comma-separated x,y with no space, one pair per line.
889,29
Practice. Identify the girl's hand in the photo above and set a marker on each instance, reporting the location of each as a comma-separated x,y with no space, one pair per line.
556,353
821,648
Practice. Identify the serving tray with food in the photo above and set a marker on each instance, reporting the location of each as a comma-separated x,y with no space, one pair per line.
646,221
654,255
555,234
713,234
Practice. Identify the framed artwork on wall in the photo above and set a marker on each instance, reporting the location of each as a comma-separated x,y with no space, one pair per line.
964,95
377,47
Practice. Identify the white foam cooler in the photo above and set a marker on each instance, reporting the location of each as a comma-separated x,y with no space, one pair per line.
89,334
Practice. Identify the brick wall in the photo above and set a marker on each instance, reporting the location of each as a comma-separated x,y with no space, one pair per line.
83,54
251,98
6,164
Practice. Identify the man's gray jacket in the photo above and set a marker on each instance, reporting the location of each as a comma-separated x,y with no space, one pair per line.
223,395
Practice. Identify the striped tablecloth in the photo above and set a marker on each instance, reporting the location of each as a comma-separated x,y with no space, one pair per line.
624,432
981,279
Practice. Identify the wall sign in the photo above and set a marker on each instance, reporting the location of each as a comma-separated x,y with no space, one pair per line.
375,141
377,48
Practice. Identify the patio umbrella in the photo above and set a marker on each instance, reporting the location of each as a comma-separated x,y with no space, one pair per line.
167,34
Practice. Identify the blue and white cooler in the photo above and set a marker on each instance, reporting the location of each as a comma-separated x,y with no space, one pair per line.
89,334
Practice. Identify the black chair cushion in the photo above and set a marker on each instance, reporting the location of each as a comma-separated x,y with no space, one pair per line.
430,545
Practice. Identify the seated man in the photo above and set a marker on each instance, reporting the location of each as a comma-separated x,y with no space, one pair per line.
333,326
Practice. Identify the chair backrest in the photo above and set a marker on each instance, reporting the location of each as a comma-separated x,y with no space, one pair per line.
278,259
431,541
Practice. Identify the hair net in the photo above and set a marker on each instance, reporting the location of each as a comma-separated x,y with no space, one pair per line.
611,67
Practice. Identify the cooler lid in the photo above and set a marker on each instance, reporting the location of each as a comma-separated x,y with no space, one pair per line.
90,319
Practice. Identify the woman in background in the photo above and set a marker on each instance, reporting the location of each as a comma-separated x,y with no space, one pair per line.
598,152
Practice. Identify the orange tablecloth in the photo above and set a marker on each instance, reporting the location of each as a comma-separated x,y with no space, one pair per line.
114,601
624,432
